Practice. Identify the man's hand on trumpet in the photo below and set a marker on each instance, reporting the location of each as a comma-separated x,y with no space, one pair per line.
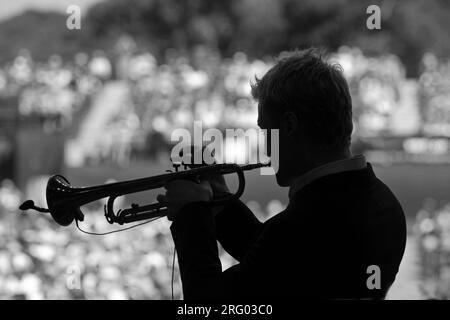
181,192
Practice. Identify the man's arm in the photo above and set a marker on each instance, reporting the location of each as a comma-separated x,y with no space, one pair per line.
237,228
200,267
194,233
236,225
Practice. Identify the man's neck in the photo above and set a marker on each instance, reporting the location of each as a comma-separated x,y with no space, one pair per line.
342,164
320,160
327,158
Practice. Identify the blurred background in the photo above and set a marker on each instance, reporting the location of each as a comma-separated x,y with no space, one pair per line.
100,103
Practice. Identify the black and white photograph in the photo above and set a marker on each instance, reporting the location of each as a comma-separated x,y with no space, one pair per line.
234,153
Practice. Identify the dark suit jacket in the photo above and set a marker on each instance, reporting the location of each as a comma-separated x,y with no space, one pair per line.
319,247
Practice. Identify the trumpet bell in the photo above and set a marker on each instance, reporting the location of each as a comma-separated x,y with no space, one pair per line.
59,194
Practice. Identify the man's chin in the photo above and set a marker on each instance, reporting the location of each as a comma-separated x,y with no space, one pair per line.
281,180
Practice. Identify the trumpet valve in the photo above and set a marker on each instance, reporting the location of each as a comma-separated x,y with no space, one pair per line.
176,166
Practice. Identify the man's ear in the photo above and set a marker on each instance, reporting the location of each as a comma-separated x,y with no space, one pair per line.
290,123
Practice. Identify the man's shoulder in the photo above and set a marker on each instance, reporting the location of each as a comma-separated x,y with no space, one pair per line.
358,193
343,185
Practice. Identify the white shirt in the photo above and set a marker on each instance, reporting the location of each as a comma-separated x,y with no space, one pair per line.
357,162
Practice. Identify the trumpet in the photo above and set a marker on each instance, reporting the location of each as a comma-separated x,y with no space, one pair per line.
64,200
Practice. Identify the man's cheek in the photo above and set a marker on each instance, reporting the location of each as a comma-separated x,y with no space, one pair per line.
282,149
280,176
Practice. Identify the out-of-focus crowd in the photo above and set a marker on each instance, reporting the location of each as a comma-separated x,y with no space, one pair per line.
169,93
432,228
435,96
41,260
51,92
162,97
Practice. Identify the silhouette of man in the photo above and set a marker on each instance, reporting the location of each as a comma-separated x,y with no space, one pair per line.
343,233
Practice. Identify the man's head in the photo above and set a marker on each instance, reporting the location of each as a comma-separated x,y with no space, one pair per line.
308,100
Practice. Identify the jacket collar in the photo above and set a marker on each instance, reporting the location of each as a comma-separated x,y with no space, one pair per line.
357,162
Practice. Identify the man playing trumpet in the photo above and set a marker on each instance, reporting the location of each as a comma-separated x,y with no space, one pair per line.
343,232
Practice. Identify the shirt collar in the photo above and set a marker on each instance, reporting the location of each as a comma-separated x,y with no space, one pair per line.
357,162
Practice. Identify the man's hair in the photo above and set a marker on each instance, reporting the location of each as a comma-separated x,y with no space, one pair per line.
305,83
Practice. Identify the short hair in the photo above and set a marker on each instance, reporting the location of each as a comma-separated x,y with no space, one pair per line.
305,83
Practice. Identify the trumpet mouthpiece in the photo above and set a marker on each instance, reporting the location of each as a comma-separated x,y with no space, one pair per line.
29,204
